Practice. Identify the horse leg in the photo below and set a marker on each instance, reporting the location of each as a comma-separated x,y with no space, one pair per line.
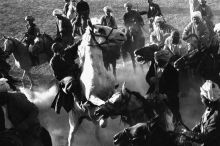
22,78
97,135
114,68
133,61
30,79
74,125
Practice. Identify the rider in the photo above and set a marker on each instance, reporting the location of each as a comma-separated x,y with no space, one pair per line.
163,80
176,46
197,27
161,31
131,16
67,72
153,11
108,19
17,113
83,11
32,31
64,28
207,14
208,130
66,6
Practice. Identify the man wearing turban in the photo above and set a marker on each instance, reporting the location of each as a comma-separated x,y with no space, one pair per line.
208,130
197,27
161,31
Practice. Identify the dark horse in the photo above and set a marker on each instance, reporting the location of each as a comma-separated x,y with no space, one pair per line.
135,40
204,61
134,108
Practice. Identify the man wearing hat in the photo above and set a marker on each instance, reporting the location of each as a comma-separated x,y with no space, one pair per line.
108,19
131,16
197,27
163,80
67,72
83,11
32,30
64,28
161,31
176,46
208,130
153,11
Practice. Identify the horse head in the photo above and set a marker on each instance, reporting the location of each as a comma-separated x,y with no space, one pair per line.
145,54
102,37
42,43
127,104
10,45
136,135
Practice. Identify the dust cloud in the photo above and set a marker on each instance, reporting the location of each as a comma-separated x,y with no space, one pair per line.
57,124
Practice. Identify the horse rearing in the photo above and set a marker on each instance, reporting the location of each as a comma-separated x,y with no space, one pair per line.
98,83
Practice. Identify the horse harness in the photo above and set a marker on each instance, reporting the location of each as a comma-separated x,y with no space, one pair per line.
100,35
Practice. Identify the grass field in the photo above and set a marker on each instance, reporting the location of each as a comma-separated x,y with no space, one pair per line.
12,23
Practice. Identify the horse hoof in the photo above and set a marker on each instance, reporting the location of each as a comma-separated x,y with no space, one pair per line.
103,123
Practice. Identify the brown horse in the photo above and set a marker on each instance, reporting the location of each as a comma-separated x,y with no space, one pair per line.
135,40
21,53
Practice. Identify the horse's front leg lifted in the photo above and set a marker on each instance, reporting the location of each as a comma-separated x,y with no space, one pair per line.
74,125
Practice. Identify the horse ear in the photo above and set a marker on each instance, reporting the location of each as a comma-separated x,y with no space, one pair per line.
123,88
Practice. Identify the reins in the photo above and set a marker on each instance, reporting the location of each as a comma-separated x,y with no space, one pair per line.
93,35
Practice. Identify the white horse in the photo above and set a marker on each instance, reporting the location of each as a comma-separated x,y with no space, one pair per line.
97,82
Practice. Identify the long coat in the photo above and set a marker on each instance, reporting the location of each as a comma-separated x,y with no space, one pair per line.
168,84
209,127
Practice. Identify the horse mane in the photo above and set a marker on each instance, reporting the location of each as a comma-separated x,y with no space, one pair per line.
137,94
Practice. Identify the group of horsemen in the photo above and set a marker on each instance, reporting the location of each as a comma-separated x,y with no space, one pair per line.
161,71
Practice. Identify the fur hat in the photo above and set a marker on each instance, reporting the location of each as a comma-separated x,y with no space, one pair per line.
107,9
210,91
158,19
128,5
217,27
29,18
196,14
57,12
162,55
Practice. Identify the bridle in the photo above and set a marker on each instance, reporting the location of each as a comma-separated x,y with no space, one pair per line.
122,107
100,45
